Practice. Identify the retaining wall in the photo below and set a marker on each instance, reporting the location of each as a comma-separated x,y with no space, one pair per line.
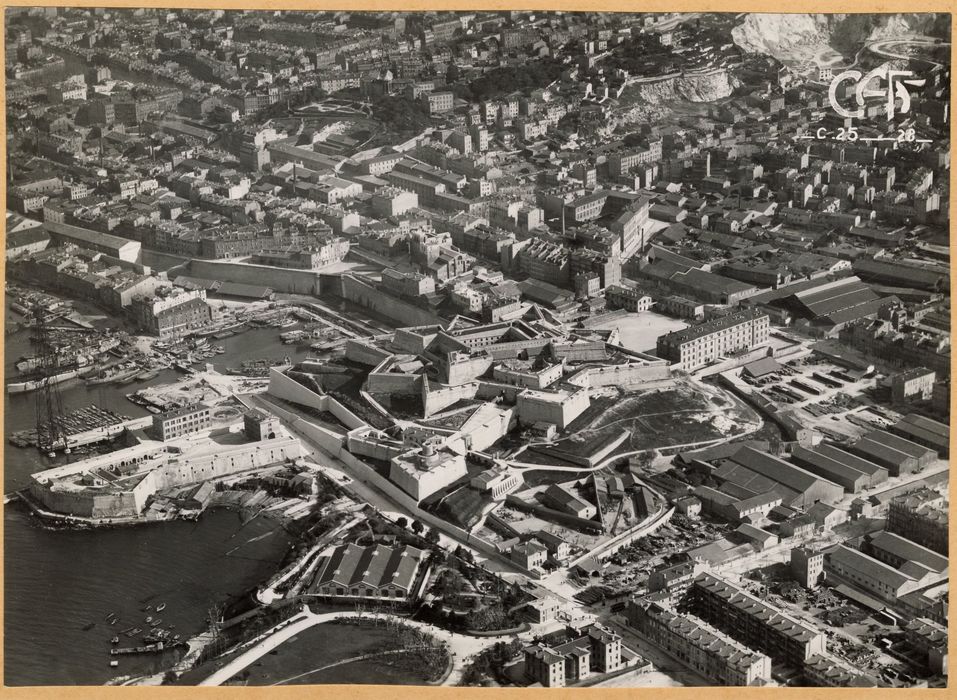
554,515
280,279
404,313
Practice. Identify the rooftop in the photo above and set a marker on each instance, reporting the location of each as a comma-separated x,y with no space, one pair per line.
755,607
713,326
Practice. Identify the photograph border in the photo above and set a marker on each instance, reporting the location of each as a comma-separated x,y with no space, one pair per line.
369,692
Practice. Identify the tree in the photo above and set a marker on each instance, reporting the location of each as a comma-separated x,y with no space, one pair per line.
432,537
402,522
417,527
401,113
452,73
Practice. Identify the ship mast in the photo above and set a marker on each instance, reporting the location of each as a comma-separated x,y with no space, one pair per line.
49,405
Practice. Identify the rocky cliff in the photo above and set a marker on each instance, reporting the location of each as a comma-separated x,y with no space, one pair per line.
703,87
656,100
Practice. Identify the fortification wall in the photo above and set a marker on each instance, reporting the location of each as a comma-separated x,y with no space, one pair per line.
435,399
487,426
282,387
365,353
589,460
230,460
491,390
627,375
467,370
414,341
119,505
511,350
178,471
73,503
394,383
374,449
280,279
404,313
589,351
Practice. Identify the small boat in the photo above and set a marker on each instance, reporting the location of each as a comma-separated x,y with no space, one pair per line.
155,623
110,616
161,607
114,663
114,620
115,640
135,631
149,618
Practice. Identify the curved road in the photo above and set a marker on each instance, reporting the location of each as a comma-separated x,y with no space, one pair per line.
880,48
462,646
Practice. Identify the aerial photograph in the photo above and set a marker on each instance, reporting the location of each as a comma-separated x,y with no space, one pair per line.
477,348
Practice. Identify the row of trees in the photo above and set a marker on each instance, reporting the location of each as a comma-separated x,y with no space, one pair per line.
432,536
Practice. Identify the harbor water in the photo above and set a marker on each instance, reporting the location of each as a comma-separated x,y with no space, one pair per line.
60,581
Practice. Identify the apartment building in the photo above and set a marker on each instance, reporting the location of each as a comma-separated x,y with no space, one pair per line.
700,646
182,421
921,517
696,346
754,622
438,102
583,652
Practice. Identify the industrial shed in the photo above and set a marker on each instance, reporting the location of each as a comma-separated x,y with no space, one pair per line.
925,432
900,456
851,479
875,472
807,488
741,482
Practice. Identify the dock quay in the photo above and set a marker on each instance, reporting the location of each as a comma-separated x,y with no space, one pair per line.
85,426
88,418
108,432
146,649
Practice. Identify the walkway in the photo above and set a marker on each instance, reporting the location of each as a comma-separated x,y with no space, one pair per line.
462,646
342,662
269,594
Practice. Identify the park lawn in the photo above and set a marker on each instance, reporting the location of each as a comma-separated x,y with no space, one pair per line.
328,643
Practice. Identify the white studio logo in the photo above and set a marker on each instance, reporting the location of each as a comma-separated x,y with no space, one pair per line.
896,88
